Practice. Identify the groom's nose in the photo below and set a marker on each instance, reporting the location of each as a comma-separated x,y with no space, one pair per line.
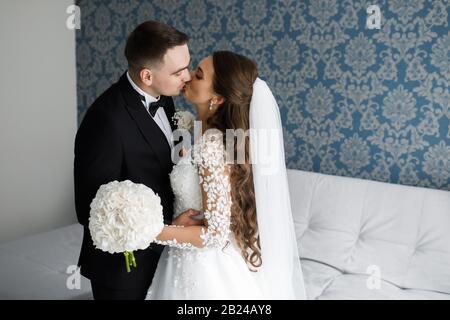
186,75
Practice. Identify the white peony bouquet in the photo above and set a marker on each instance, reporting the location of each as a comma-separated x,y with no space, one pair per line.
184,119
124,217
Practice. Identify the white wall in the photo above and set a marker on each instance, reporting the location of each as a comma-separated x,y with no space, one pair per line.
37,117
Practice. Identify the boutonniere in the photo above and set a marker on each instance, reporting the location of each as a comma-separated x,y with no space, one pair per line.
184,120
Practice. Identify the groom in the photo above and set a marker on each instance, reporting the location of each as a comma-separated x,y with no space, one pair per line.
126,134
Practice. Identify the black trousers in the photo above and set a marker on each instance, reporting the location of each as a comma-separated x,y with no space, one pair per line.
101,292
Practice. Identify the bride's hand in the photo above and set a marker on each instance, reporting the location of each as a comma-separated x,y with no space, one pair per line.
186,219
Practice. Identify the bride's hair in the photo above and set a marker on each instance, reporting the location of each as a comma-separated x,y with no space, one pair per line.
233,80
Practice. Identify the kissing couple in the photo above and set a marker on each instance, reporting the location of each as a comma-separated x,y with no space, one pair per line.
229,232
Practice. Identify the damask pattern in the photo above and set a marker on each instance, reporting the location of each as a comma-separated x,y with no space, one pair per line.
373,104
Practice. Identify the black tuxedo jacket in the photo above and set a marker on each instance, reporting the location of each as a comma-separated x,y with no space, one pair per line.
118,140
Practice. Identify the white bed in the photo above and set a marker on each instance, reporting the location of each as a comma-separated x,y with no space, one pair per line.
37,267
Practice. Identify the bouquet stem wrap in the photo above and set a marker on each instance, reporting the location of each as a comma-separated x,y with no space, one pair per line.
130,261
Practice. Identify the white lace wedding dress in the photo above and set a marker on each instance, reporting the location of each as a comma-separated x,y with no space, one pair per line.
218,270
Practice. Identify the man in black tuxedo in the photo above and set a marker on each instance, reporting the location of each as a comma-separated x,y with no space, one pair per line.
126,134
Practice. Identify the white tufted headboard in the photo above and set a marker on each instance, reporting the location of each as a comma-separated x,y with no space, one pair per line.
352,224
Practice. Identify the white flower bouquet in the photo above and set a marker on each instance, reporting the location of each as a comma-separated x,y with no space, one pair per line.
125,217
184,119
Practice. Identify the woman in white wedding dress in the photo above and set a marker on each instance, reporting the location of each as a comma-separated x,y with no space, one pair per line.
247,247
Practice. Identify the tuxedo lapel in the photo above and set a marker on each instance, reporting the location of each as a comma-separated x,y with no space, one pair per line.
148,127
169,109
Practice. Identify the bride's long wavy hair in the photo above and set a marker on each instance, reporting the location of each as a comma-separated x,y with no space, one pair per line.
234,75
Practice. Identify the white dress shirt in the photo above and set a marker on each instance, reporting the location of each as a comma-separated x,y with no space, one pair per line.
160,116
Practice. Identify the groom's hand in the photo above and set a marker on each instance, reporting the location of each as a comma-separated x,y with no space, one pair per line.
186,219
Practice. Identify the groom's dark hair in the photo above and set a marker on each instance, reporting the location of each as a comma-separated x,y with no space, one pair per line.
149,42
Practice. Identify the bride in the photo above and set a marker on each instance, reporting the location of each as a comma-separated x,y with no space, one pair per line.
246,247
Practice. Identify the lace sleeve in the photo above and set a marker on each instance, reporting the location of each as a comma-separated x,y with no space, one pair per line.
215,184
214,179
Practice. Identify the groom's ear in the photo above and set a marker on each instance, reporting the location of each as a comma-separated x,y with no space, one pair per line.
146,76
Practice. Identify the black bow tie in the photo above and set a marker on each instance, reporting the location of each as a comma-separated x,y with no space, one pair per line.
154,106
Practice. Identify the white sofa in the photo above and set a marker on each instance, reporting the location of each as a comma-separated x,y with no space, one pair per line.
361,239
357,239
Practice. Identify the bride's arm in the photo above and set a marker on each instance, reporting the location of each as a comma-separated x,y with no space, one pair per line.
182,235
216,196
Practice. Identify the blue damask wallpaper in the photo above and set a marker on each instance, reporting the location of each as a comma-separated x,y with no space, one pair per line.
359,102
